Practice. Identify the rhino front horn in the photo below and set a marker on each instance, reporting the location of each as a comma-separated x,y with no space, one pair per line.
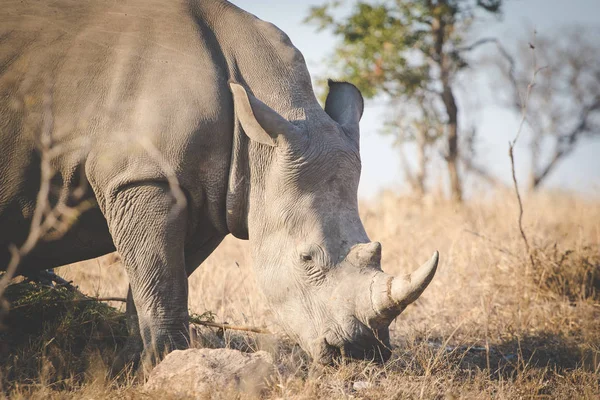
391,295
405,290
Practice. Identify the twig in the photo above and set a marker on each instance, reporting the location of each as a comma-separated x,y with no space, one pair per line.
520,221
233,327
45,217
168,171
511,145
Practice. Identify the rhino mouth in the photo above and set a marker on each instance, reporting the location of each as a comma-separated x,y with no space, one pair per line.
375,348
332,355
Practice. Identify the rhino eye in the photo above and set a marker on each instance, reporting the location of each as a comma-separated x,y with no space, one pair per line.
306,257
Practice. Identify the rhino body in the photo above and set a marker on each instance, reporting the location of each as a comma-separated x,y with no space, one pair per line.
144,99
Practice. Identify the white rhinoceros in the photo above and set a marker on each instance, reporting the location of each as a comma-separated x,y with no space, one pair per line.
224,101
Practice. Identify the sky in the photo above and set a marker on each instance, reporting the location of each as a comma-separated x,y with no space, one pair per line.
580,172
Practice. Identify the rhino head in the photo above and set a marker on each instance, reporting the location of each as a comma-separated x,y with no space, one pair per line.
314,261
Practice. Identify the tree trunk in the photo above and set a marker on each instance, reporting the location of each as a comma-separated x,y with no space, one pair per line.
534,149
421,160
414,179
439,30
451,161
532,181
452,131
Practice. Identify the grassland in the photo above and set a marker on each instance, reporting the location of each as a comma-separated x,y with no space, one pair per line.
495,323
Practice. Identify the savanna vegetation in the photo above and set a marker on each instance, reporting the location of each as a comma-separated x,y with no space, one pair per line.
494,322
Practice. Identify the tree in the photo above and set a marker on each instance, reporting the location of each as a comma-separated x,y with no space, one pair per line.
411,51
424,129
564,105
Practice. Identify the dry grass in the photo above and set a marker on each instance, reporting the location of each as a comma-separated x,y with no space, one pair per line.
490,324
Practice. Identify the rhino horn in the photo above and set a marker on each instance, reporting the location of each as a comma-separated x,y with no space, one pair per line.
365,254
390,295
408,288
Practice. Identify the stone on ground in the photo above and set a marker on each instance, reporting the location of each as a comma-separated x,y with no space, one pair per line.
201,372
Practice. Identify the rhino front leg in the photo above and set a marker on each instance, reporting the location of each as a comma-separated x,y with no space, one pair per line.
130,355
149,233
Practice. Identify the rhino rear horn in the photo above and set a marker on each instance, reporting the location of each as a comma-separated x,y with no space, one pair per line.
260,122
366,254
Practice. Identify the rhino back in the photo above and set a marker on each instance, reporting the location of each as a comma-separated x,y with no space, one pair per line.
102,77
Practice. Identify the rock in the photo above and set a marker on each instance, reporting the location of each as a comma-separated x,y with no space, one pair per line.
361,385
198,373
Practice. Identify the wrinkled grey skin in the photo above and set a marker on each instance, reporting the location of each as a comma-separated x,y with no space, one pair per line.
281,171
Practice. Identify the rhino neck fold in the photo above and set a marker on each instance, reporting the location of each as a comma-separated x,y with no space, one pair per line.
245,204
280,80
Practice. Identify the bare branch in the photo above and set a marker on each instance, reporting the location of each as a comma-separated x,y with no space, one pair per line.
511,146
516,185
47,222
168,171
566,99
476,44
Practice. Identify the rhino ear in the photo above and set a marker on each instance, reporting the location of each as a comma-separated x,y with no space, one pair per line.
260,122
344,104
